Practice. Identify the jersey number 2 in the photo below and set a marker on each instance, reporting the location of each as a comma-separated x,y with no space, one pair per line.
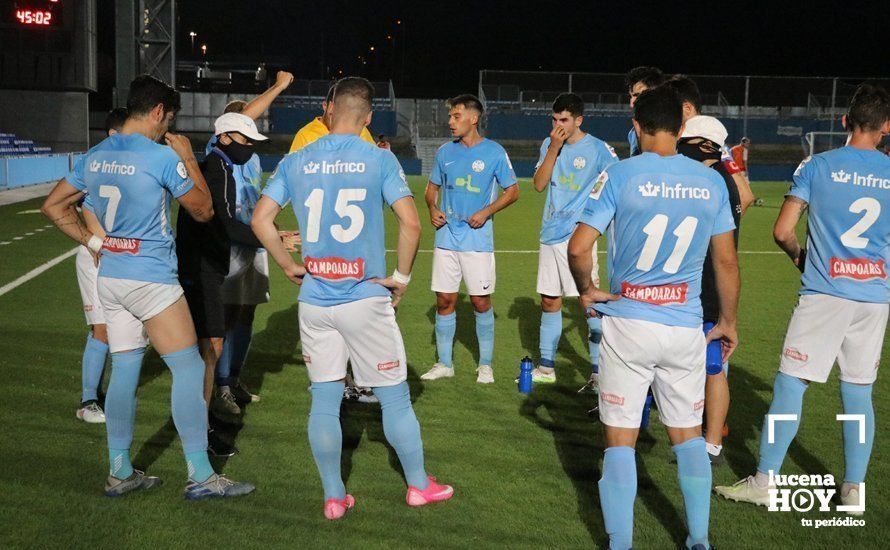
852,238
356,216
654,231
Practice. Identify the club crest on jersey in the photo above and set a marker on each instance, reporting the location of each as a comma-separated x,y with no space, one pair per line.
659,295
336,269
676,191
118,245
579,163
598,186
478,166
112,167
858,269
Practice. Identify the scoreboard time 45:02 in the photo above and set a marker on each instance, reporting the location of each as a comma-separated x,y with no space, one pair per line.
35,13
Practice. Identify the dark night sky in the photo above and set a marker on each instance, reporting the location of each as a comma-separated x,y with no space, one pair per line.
448,42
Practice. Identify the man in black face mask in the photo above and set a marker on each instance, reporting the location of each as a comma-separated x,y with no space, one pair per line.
703,140
203,249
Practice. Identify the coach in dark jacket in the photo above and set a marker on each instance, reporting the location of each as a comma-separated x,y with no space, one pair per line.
203,249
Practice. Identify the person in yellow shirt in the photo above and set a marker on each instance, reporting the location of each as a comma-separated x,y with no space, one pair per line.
319,127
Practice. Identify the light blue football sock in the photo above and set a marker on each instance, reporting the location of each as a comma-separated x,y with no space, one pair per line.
694,470
857,400
485,336
120,409
402,430
618,490
120,465
594,337
326,436
787,399
551,331
94,354
445,328
190,409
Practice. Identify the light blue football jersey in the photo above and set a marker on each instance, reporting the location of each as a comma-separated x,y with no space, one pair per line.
574,174
338,186
129,180
248,177
848,223
466,177
661,213
634,142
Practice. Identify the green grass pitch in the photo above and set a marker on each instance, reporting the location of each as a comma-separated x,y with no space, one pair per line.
524,468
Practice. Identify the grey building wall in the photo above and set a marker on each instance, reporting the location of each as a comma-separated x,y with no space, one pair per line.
57,119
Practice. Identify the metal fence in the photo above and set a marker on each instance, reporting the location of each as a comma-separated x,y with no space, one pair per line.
310,94
724,95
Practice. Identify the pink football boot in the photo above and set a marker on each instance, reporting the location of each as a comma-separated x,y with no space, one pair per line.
336,508
433,493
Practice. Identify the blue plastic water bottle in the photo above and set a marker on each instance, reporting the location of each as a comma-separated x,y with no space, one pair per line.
647,407
525,375
714,356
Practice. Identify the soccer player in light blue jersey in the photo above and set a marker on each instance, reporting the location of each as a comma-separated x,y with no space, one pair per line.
662,211
842,312
467,175
569,163
338,186
637,81
129,180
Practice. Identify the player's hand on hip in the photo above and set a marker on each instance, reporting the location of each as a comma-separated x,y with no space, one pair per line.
283,79
728,337
295,273
180,144
291,240
396,288
558,136
593,296
437,218
478,219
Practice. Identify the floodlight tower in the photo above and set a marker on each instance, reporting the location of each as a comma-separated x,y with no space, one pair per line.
145,42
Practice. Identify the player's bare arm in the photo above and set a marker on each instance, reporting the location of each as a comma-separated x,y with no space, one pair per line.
746,196
580,252
726,271
508,197
263,225
544,172
406,249
261,103
783,231
197,201
60,208
431,196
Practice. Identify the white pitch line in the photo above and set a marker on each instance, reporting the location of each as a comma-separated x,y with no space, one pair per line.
17,238
430,251
36,271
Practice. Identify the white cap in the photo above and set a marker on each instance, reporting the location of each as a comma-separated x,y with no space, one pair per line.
236,122
706,127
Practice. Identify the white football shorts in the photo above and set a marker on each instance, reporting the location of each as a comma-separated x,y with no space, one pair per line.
475,268
827,328
554,275
87,280
635,355
363,332
128,304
